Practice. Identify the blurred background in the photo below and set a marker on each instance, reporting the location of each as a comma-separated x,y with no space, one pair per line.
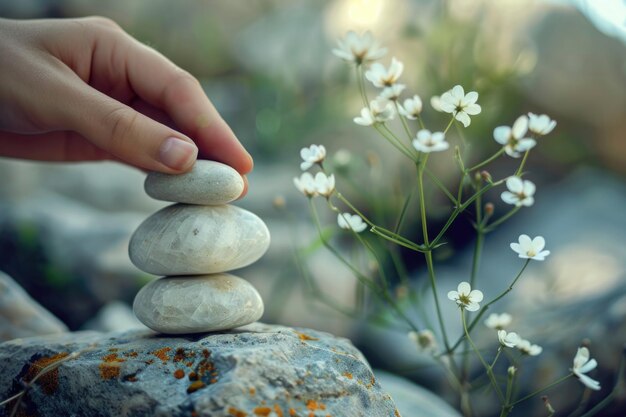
268,68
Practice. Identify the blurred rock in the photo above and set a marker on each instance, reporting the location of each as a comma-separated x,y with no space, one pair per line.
255,370
115,316
21,316
413,400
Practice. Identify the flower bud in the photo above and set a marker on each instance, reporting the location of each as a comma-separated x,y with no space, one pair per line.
486,176
511,371
489,208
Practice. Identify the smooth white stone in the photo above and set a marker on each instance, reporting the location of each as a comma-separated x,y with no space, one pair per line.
207,183
186,239
195,304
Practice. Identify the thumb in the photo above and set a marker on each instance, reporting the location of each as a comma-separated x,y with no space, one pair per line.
127,134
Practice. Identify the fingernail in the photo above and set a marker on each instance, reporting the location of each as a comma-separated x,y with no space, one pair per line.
177,153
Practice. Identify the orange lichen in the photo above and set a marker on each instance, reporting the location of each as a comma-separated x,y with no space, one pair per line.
236,413
49,381
314,405
195,386
110,366
347,375
292,412
278,410
304,336
262,411
396,413
252,390
193,376
131,354
162,354
179,374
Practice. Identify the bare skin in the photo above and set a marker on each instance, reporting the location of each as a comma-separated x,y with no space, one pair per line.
84,90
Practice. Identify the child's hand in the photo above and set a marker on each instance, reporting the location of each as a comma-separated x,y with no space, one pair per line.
83,89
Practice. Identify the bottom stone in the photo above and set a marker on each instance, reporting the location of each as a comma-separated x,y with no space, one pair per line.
257,370
196,304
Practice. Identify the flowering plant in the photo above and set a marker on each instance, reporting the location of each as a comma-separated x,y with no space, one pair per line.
416,143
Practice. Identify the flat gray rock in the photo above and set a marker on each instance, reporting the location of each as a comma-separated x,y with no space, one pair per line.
21,316
258,370
196,304
207,183
189,240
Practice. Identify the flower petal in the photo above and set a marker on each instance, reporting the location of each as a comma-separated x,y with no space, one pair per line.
472,109
515,184
476,296
520,127
463,118
453,295
464,288
589,382
592,364
501,134
472,306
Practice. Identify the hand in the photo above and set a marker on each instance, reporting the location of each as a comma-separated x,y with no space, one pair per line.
83,89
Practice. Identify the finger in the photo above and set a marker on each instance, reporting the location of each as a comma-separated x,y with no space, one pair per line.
168,87
123,132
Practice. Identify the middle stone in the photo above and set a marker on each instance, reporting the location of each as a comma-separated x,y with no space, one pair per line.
186,239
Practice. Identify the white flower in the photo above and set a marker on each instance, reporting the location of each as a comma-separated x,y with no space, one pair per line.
508,339
324,185
385,77
435,103
498,321
430,142
582,365
531,249
425,340
466,297
541,125
359,48
312,155
520,192
513,138
392,92
528,348
461,105
351,221
306,184
412,107
379,111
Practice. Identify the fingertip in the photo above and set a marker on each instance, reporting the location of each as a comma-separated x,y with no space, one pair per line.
245,187
178,154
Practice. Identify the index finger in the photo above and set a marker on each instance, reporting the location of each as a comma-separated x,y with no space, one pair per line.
161,83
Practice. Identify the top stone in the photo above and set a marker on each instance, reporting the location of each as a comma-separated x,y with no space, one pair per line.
208,183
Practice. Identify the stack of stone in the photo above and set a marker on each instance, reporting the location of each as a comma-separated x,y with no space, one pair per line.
193,243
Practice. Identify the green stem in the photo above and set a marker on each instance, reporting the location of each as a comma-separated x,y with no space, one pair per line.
360,82
428,254
489,371
521,166
394,142
404,123
381,292
449,124
488,160
557,382
484,309
502,219
460,209
405,206
440,185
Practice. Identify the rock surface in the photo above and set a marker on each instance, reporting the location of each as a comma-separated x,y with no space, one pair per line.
208,183
21,316
258,370
185,239
413,400
194,304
